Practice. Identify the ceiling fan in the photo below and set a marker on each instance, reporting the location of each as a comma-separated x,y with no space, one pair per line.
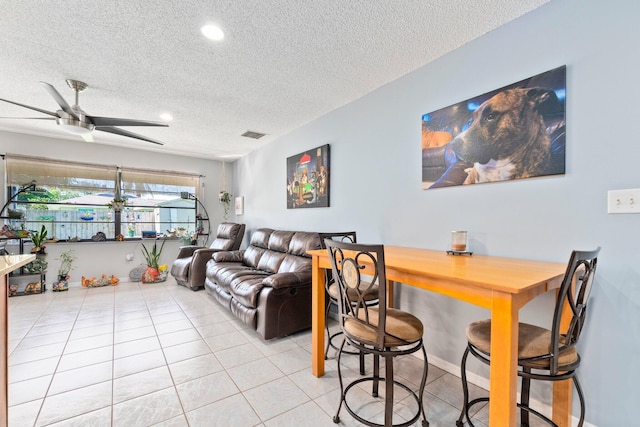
74,120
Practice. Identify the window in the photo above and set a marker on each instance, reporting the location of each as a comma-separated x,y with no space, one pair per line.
72,199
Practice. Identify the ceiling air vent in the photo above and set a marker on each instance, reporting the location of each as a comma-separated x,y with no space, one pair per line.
254,135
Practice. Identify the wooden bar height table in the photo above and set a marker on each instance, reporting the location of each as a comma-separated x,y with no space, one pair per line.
8,263
501,285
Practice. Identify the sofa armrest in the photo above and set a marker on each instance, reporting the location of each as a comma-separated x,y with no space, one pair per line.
228,256
203,255
187,251
198,268
287,280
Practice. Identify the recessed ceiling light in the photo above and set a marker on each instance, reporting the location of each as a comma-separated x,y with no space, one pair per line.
166,116
212,32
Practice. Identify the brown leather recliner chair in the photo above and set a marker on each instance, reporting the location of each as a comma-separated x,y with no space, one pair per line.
190,267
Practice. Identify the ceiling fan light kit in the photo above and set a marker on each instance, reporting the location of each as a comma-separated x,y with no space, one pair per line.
74,120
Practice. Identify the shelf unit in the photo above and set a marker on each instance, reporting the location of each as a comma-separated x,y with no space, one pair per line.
22,282
202,231
67,228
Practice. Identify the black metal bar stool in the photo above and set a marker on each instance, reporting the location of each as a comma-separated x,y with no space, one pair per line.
332,292
382,331
543,354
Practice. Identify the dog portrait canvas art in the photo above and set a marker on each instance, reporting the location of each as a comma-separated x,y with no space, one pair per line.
511,133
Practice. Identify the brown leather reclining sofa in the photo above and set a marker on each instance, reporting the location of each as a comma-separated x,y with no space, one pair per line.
268,285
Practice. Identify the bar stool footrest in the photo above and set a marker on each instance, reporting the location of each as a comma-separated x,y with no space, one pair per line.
425,423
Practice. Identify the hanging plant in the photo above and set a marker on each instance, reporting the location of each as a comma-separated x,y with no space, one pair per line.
117,204
225,199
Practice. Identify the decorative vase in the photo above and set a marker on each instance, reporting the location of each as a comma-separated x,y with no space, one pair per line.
62,284
151,275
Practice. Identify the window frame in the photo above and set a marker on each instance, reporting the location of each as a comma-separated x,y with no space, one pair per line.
174,213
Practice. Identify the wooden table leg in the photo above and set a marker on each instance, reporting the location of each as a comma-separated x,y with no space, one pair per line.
562,403
504,359
317,318
4,345
562,390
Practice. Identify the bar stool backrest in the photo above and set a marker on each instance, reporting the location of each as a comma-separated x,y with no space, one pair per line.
574,293
358,268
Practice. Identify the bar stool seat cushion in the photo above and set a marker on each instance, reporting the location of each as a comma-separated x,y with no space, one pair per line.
402,328
370,295
533,341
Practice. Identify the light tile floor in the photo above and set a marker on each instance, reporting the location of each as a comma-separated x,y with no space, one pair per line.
163,355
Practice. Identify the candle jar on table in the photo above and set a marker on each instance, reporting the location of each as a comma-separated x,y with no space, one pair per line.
459,241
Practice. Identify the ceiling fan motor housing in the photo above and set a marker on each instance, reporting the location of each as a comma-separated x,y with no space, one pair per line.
70,124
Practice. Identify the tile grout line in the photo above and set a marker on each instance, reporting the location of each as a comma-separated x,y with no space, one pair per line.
55,371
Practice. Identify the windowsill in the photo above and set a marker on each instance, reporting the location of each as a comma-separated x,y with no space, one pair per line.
127,239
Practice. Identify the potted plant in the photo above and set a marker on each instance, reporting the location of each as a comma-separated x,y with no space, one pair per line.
153,258
38,239
66,259
39,265
225,199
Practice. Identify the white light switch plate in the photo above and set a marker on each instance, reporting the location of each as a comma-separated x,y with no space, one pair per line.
623,201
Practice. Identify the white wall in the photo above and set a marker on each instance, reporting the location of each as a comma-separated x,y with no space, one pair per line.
109,258
376,181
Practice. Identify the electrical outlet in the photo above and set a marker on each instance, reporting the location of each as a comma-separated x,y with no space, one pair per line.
129,257
623,201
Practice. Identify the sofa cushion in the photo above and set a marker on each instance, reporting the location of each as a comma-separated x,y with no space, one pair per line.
246,289
280,240
246,315
228,256
251,256
257,247
271,260
223,273
260,238
294,263
303,241
228,236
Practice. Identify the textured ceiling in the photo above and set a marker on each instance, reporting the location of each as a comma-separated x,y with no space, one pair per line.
281,64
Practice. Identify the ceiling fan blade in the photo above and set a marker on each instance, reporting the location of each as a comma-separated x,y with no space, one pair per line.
87,137
60,100
114,121
30,107
122,132
28,118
